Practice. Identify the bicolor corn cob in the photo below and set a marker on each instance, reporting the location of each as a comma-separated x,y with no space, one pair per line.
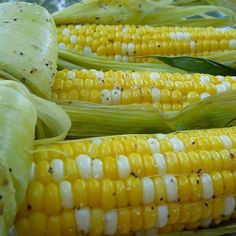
165,91
129,42
131,183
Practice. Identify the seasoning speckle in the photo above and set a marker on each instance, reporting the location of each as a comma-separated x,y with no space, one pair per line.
50,170
134,174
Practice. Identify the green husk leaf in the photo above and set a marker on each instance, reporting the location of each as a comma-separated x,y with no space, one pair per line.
17,120
18,116
215,111
198,65
53,123
90,119
28,45
143,12
69,59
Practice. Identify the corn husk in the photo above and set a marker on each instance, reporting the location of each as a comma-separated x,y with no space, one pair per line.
18,118
28,45
142,12
69,59
89,120
17,121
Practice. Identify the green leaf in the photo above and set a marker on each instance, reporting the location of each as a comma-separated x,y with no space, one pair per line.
198,65
28,45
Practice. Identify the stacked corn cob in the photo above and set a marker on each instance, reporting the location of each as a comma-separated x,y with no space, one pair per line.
131,184
131,42
164,91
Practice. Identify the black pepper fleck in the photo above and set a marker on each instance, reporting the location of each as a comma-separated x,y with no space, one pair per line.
206,204
50,170
29,207
161,199
10,169
199,171
198,182
134,174
33,70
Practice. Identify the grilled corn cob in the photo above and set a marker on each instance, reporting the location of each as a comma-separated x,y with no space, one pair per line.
132,183
129,42
165,91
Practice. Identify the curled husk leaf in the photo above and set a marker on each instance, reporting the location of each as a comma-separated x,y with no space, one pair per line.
28,45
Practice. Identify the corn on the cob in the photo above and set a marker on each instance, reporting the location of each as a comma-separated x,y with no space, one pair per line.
127,184
165,91
128,42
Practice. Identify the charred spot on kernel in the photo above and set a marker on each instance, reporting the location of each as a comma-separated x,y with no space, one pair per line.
213,196
199,171
50,170
134,174
198,181
161,199
152,207
193,142
29,207
158,46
